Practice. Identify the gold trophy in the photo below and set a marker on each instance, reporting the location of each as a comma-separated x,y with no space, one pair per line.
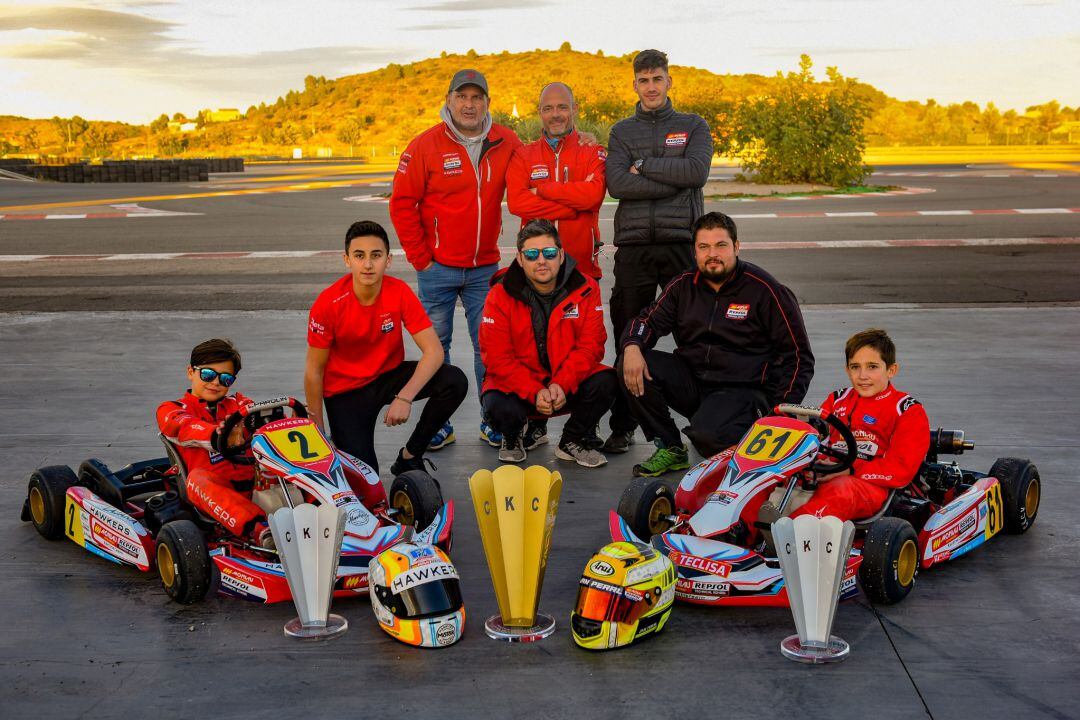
516,510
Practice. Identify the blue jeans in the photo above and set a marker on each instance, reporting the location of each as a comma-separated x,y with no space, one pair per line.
440,287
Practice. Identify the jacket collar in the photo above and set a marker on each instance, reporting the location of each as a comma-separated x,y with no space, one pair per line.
516,284
740,268
568,140
662,113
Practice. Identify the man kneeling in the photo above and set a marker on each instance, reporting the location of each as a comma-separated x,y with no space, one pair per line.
542,339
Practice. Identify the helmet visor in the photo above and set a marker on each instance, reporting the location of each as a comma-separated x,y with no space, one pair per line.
603,602
427,600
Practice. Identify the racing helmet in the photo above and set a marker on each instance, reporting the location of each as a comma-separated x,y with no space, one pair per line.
416,595
625,593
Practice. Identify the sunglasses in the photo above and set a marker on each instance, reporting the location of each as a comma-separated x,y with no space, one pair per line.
550,253
209,375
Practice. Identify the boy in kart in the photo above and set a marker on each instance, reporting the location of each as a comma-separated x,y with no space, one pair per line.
890,427
194,423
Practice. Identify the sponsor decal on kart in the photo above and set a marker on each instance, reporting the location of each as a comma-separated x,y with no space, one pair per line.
301,444
235,580
723,497
602,568
706,565
684,586
107,539
956,533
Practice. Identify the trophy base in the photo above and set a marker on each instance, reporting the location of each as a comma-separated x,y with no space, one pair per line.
335,625
545,625
835,651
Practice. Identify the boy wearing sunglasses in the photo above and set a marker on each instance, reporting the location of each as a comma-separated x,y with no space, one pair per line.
193,423
542,341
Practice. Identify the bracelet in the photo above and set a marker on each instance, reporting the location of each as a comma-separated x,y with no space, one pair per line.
404,400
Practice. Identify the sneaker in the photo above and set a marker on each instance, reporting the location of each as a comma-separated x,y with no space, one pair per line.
664,460
444,437
535,435
593,440
404,464
618,442
490,435
511,451
584,456
264,538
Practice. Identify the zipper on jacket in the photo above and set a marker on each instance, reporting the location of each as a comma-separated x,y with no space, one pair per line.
479,210
436,232
712,316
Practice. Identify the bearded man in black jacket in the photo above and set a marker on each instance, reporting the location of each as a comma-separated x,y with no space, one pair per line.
658,162
741,348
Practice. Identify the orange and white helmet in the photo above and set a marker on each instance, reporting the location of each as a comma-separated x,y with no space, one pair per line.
416,595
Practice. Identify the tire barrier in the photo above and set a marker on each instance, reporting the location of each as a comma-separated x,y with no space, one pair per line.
127,171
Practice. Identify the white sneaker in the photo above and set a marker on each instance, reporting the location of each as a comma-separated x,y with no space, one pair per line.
586,457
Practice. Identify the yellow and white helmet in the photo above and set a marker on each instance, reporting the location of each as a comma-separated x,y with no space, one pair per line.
625,593
416,595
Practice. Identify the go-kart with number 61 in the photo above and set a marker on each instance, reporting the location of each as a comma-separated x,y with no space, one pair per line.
722,548
140,516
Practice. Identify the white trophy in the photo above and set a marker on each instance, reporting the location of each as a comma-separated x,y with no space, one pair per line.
813,553
308,540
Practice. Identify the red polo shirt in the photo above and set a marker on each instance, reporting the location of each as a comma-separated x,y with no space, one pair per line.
364,340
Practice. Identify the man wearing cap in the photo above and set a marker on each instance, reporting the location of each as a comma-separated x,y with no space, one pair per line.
446,206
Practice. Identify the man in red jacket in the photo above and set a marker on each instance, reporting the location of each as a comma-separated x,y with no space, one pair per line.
559,179
542,340
446,206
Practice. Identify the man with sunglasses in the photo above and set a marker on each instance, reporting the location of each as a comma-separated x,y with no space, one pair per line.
542,339
193,424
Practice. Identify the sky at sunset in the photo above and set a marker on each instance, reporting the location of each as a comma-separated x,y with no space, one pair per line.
128,60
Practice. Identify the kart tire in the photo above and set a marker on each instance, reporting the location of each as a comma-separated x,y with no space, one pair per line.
890,560
183,562
417,498
46,495
645,505
1021,491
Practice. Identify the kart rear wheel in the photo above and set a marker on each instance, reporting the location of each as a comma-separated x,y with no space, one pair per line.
1021,491
890,560
417,498
645,505
183,562
46,495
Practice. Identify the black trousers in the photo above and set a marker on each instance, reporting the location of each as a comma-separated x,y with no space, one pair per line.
640,271
719,416
353,414
509,413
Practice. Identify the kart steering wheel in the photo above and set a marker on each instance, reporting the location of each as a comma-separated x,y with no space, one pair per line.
254,416
846,458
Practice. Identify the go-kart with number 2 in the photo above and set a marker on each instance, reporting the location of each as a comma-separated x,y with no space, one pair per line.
722,547
139,516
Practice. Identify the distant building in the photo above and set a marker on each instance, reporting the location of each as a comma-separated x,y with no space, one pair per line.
221,115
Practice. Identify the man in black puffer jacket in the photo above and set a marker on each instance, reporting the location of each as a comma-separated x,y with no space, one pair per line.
658,162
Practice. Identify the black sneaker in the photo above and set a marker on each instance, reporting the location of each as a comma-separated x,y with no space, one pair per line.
535,435
404,465
618,442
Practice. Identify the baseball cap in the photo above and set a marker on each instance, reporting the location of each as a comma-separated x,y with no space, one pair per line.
468,77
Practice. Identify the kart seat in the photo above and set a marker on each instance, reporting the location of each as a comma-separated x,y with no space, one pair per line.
864,523
181,476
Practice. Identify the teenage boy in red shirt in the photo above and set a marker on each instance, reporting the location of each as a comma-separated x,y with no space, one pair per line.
356,356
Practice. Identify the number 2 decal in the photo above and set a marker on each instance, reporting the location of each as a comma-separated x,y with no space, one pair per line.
295,436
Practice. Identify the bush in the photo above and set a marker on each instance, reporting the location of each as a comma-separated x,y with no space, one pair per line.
803,131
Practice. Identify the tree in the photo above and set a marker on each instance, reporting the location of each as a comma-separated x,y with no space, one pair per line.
803,131
170,145
350,132
1049,118
29,139
70,129
990,122
99,140
161,124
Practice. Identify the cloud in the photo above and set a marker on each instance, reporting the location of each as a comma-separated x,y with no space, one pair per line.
473,5
438,26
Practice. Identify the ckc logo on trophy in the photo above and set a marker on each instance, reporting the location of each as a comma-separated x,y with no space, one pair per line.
516,510
308,540
813,553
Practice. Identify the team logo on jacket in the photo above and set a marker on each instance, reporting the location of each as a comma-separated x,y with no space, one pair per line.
676,139
403,164
451,164
539,172
737,312
387,323
601,153
869,419
570,312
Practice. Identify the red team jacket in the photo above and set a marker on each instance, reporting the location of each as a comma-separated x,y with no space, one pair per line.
190,422
892,427
562,193
441,210
575,338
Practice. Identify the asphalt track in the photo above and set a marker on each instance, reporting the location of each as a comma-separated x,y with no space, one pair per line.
989,337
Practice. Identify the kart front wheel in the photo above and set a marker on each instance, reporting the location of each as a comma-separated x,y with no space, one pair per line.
646,505
890,560
1021,491
183,562
417,498
46,494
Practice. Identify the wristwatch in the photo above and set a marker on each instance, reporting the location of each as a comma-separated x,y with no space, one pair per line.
638,163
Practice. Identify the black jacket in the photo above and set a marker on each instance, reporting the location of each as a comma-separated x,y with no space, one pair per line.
749,333
660,204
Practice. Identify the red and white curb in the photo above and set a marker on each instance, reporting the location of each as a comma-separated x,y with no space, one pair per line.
905,213
830,196
1002,174
118,211
750,245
